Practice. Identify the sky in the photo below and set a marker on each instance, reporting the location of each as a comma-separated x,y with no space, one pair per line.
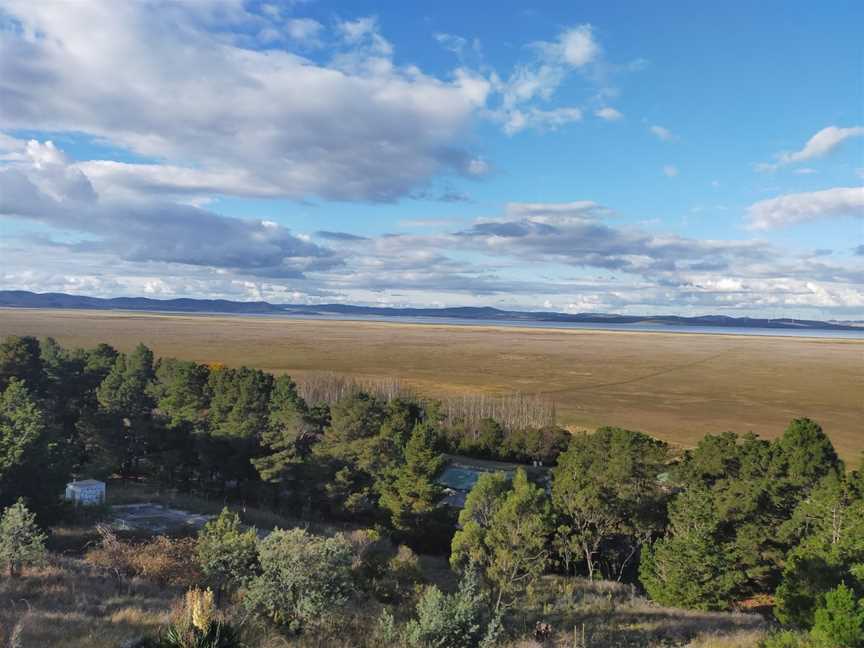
596,156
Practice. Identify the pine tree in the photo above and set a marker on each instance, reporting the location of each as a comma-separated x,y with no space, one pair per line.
518,539
414,492
21,541
22,423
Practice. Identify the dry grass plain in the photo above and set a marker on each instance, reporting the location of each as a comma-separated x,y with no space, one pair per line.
677,387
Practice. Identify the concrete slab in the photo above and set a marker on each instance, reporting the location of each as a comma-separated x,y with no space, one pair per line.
156,518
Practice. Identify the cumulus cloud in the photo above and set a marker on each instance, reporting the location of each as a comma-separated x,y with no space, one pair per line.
790,209
54,192
188,97
821,144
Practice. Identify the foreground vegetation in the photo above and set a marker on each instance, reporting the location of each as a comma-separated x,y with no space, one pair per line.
737,521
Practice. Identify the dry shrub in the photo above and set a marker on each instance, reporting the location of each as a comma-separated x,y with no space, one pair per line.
162,560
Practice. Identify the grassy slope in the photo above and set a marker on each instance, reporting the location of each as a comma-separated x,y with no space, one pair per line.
677,387
72,604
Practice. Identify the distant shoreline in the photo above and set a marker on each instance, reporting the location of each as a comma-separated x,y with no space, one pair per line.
840,335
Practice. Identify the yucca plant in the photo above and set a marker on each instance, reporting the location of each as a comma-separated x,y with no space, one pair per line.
198,625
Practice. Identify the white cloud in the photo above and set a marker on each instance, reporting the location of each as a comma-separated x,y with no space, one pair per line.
609,114
538,80
670,170
543,120
801,207
805,171
365,31
578,46
305,31
822,143
661,133
190,98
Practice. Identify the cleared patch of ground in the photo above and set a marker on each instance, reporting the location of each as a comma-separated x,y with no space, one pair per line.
677,387
155,518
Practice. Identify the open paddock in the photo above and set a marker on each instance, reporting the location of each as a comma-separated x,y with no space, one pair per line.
677,387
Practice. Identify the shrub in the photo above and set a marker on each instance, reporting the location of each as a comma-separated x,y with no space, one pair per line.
21,541
163,560
227,554
839,621
787,639
453,621
303,578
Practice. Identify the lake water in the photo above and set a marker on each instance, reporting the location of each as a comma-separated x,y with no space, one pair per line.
857,334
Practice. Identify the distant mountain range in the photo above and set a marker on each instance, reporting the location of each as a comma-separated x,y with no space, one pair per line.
26,299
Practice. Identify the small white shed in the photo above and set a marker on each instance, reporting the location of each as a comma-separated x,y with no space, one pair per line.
86,492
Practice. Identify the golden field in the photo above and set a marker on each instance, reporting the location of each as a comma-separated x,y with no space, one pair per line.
677,387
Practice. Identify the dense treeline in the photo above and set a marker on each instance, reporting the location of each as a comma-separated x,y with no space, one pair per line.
735,518
238,432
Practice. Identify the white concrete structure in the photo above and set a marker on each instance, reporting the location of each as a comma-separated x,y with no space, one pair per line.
86,492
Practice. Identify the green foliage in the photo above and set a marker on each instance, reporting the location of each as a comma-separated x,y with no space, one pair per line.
457,620
227,554
414,493
21,541
829,529
124,391
240,405
354,417
22,423
181,391
807,453
504,533
745,523
34,462
490,438
839,621
787,639
218,635
304,579
21,358
289,433
607,491
688,567
475,519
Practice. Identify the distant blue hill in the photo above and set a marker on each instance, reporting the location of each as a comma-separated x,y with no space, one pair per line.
26,299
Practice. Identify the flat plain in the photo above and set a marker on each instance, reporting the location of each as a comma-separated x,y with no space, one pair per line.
677,387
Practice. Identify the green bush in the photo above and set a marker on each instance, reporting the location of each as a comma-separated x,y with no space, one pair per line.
227,554
839,621
453,621
787,639
303,579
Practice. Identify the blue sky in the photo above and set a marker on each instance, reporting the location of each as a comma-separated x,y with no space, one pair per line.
629,157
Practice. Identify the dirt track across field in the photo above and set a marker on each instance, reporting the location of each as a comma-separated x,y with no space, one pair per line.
675,386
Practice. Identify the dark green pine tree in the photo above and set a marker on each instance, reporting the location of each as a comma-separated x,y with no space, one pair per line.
414,494
126,409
